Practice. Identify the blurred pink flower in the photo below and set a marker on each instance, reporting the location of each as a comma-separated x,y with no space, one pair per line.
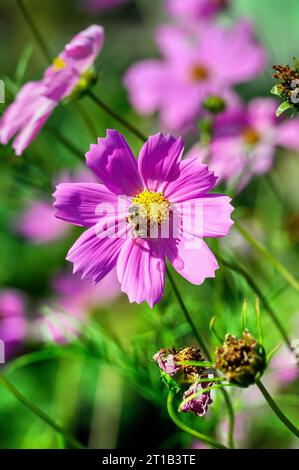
38,222
210,63
283,370
77,296
102,5
159,181
36,100
13,324
245,140
73,300
195,10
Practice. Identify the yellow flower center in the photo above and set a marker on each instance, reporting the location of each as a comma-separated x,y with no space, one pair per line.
198,73
149,209
251,136
58,64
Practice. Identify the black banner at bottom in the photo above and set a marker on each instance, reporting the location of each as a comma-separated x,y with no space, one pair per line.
140,458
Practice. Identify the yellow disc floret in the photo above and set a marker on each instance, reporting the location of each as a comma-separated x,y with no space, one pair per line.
149,209
58,64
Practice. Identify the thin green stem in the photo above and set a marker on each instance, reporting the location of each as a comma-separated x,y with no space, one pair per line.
184,427
66,142
251,282
187,315
275,408
274,261
87,120
213,330
38,412
117,116
44,48
196,363
206,351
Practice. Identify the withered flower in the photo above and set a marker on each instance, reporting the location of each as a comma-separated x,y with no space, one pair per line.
241,360
288,88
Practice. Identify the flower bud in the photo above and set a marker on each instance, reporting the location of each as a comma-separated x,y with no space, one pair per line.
241,360
214,104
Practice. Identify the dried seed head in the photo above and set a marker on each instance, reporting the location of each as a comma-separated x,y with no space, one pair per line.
241,360
171,361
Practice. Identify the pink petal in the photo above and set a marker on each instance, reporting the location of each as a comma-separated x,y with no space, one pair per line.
192,258
159,160
262,113
84,203
173,41
225,50
141,270
95,252
26,115
39,224
207,216
287,134
194,181
42,113
112,160
146,82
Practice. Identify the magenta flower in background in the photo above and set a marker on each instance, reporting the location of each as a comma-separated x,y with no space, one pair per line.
198,405
194,10
35,102
245,141
144,212
192,68
13,324
39,225
102,5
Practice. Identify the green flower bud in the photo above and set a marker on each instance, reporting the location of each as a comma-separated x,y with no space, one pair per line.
214,104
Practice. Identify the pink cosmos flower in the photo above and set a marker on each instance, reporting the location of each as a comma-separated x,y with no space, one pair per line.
192,69
13,325
36,100
102,5
245,140
195,10
142,213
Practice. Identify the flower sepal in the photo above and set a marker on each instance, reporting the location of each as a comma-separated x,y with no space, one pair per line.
170,382
86,81
285,106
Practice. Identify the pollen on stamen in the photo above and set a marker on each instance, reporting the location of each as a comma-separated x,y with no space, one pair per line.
58,64
149,209
251,136
198,73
